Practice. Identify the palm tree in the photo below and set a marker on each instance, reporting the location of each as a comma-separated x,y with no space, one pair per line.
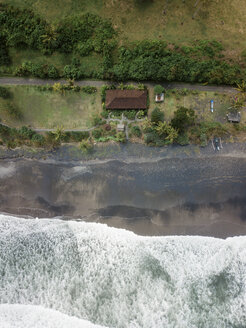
164,129
59,133
241,87
49,39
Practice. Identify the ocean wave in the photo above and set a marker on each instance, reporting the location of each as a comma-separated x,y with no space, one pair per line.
23,316
115,278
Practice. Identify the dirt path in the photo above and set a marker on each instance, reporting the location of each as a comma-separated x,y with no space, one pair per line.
96,83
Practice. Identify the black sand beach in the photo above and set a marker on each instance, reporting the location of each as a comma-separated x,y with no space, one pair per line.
175,191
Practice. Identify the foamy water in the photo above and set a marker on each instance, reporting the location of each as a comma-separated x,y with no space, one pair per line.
114,278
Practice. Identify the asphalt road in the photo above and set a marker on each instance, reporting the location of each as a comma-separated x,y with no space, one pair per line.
96,83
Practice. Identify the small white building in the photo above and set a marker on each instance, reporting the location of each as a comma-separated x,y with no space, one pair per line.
159,97
120,127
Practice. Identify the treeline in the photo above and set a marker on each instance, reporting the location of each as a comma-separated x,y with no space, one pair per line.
154,60
83,35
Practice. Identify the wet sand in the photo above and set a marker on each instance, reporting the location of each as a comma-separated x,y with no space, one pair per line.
179,195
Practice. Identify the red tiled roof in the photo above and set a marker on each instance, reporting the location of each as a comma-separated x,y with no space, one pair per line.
126,99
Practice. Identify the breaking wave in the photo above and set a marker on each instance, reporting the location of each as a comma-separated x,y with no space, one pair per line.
114,278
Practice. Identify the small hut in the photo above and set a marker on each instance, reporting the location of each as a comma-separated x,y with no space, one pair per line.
234,117
159,97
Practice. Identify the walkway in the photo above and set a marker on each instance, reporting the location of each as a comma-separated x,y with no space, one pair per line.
97,83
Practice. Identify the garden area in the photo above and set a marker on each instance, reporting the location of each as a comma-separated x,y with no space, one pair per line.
183,117
197,100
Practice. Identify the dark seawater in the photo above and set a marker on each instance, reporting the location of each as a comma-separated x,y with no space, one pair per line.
172,196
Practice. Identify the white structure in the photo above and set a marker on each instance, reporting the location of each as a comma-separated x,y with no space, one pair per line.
120,127
159,97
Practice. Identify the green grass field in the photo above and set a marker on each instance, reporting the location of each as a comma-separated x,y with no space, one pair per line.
49,109
158,19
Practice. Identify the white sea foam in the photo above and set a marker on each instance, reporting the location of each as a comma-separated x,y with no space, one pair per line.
115,278
25,316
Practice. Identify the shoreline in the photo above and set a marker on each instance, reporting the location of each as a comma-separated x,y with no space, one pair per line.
172,191
129,152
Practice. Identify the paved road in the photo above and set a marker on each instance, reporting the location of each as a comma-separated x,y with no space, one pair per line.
96,83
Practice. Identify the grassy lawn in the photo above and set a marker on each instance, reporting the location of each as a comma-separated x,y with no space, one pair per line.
49,109
199,101
158,19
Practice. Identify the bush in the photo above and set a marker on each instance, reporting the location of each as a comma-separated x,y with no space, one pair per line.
183,118
183,139
136,131
105,114
84,48
121,137
158,89
157,116
97,133
52,72
88,89
77,136
151,138
86,146
130,114
26,133
5,93
38,139
141,114
203,140
4,52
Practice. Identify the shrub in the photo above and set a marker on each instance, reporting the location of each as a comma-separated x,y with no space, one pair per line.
4,52
183,118
38,139
203,139
84,48
151,138
77,136
183,139
140,114
105,114
121,137
26,133
158,89
136,131
97,133
130,114
157,116
52,72
88,89
86,146
5,93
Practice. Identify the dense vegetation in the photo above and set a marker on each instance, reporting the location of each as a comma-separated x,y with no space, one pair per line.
153,60
84,35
